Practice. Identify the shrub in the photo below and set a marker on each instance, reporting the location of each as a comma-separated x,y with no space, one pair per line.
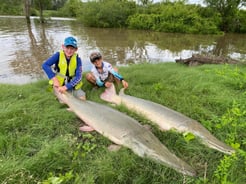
106,13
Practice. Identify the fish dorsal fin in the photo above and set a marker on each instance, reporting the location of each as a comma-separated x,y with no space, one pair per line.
122,91
109,94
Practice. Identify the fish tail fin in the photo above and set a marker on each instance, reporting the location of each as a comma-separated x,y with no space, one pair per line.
109,94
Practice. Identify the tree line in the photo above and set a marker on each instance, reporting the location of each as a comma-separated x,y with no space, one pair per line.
166,16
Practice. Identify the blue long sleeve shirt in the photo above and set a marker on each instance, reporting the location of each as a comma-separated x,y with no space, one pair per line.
54,60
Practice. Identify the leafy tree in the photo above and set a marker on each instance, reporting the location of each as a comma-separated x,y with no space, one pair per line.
71,8
145,2
42,5
242,22
16,7
106,13
27,7
57,4
229,11
175,17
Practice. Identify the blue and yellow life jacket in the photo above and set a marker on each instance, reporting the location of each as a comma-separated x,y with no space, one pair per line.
62,65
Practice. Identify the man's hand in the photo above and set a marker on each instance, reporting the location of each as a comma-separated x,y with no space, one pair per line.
62,89
125,84
56,82
107,84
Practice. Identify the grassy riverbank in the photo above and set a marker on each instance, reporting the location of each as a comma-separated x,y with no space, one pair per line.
40,141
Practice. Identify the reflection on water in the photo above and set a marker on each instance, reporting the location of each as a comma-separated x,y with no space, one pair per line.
24,47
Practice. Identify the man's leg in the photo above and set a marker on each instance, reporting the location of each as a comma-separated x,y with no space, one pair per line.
91,78
79,93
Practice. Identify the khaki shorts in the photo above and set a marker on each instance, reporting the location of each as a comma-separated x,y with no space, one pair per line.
110,78
78,93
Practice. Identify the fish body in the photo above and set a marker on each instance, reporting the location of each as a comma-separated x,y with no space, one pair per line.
166,118
124,130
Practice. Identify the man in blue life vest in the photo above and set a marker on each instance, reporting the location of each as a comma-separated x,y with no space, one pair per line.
64,69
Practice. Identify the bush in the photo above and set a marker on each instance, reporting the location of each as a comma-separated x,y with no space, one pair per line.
240,23
174,17
5,9
71,8
106,13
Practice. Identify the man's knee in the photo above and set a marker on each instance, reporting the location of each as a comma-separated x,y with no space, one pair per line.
89,76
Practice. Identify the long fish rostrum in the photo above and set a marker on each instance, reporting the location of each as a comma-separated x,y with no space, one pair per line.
165,118
124,130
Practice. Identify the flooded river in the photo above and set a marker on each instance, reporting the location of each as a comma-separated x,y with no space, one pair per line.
25,47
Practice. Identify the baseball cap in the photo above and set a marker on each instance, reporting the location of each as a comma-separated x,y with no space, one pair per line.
95,56
70,41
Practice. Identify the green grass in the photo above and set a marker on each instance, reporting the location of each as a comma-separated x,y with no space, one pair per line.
40,141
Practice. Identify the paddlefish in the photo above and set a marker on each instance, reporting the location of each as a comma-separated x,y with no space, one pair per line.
165,118
124,130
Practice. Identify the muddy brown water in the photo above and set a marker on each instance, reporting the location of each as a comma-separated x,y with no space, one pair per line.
25,47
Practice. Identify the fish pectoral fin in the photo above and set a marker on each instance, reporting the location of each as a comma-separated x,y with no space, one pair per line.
86,128
114,147
147,127
108,94
69,109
